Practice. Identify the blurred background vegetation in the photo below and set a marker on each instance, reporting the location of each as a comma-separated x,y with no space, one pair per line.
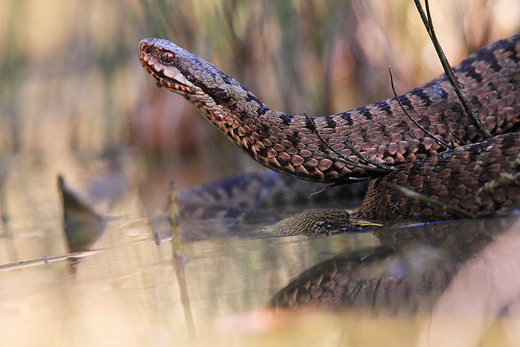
74,99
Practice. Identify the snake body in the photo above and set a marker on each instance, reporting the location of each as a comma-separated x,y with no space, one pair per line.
480,179
379,131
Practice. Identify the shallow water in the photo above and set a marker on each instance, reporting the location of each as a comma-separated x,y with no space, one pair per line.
76,102
127,292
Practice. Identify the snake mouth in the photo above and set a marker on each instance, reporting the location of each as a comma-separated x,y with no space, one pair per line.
164,81
161,79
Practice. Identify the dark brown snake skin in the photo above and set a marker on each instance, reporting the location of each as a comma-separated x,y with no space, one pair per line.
480,178
486,171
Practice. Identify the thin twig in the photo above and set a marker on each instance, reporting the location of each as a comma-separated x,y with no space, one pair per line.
428,23
412,194
379,167
45,260
441,143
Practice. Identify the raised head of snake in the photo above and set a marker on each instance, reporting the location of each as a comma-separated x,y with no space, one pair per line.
379,131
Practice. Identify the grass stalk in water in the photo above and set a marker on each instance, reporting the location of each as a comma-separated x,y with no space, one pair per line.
179,260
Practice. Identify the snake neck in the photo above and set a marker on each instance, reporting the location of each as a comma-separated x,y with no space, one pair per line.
379,131
284,143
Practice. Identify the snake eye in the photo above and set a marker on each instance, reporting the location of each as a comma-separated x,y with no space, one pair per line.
167,57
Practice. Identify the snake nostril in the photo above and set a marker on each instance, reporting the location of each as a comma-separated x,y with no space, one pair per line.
148,50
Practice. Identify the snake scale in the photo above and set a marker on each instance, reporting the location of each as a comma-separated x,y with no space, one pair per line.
478,176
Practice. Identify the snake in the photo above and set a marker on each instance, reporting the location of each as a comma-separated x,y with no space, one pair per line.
479,176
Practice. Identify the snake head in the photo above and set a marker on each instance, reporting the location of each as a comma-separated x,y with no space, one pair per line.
184,73
167,64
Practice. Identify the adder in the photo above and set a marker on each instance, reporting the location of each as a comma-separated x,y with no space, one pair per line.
477,177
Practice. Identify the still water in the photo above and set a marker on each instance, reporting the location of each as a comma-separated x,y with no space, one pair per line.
73,90
441,284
